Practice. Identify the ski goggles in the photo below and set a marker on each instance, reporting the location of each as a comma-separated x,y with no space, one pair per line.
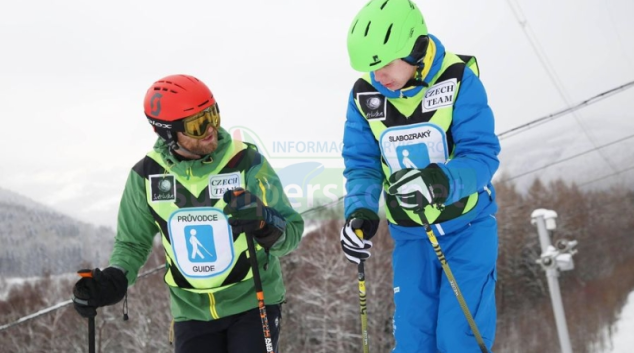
196,126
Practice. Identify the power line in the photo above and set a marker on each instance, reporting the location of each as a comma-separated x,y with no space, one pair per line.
594,99
545,62
606,176
35,315
567,158
552,116
60,305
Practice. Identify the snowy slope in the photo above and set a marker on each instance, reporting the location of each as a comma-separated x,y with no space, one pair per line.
623,335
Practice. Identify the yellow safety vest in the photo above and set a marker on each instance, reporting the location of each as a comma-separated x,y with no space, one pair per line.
194,198
428,114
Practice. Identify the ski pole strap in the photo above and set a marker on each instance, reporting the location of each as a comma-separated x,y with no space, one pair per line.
452,281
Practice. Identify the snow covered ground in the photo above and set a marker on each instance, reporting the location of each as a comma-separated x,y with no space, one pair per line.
623,339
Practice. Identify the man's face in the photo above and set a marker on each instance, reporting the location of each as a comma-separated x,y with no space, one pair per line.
202,146
395,75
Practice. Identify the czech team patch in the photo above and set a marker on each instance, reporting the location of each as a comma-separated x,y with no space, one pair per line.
440,95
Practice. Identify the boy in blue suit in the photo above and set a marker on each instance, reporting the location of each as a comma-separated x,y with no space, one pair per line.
420,130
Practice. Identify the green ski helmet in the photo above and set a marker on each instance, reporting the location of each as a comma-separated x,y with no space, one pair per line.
383,31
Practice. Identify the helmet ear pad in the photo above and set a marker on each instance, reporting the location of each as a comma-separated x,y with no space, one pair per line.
418,51
165,131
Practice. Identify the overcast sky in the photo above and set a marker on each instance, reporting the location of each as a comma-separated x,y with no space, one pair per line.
74,73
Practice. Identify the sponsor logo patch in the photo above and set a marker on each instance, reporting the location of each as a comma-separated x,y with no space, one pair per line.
373,105
163,187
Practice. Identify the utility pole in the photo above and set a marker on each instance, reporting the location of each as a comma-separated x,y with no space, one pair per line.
554,259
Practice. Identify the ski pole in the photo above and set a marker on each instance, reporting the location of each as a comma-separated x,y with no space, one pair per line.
356,224
452,281
91,320
268,340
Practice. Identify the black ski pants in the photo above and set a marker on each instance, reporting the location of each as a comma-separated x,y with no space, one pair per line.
239,333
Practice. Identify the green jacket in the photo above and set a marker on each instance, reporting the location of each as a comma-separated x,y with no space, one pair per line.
143,214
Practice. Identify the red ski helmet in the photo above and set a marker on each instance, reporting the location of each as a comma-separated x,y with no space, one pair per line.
172,99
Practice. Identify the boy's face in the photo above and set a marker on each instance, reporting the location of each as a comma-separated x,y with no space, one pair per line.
395,75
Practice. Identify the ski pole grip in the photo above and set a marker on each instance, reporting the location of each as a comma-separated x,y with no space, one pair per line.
85,273
356,226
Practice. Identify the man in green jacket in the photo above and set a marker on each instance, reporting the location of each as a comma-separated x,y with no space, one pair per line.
206,195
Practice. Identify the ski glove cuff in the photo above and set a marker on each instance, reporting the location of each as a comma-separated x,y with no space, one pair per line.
416,188
248,214
104,288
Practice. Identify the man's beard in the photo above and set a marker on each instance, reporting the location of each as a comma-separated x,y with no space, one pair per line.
203,150
200,148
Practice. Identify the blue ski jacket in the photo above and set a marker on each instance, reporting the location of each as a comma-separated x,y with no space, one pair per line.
474,146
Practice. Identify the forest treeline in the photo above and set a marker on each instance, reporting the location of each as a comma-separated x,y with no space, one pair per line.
37,240
322,310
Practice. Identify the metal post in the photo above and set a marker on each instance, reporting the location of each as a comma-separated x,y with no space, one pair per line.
552,273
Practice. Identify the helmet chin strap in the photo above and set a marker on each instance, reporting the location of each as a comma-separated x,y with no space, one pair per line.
175,146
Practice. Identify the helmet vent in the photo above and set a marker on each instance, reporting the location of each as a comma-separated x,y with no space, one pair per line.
385,3
367,29
354,26
387,34
203,103
411,4
165,89
170,83
179,86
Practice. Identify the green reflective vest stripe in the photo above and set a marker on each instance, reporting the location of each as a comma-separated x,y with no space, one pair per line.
192,191
408,111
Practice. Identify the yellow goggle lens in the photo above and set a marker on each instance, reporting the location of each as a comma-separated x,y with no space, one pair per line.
197,126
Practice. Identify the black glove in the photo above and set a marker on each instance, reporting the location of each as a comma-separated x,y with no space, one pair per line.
105,287
355,248
249,215
416,188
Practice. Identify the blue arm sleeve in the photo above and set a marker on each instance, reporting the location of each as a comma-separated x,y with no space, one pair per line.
475,158
362,159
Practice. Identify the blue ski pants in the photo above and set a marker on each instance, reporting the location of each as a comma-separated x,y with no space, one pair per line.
428,318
